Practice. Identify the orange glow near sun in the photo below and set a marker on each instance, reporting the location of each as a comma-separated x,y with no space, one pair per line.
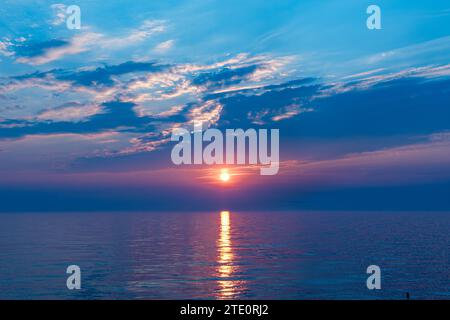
224,175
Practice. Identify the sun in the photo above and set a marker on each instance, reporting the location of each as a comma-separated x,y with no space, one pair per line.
224,175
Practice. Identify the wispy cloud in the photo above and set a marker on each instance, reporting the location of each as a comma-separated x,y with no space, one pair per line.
55,49
434,50
78,44
5,45
147,29
366,80
70,112
164,46
59,14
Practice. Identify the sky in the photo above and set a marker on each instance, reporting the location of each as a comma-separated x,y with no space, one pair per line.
86,115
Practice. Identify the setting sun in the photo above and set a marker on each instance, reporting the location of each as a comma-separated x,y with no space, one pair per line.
224,175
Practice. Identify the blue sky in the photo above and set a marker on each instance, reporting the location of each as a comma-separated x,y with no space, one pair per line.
92,109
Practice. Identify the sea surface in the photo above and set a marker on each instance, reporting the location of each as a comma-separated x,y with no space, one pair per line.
225,255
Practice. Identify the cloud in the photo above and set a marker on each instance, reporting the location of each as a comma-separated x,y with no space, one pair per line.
39,53
144,98
366,80
147,29
78,44
422,162
131,89
433,51
18,154
5,45
364,74
164,46
103,76
69,112
208,113
77,119
149,85
98,84
30,50
59,13
224,77
290,111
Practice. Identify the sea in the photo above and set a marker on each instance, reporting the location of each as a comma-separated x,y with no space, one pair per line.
225,254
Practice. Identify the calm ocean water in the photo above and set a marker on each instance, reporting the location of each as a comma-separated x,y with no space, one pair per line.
219,255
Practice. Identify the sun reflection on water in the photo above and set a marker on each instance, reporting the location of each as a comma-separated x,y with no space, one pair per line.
228,288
